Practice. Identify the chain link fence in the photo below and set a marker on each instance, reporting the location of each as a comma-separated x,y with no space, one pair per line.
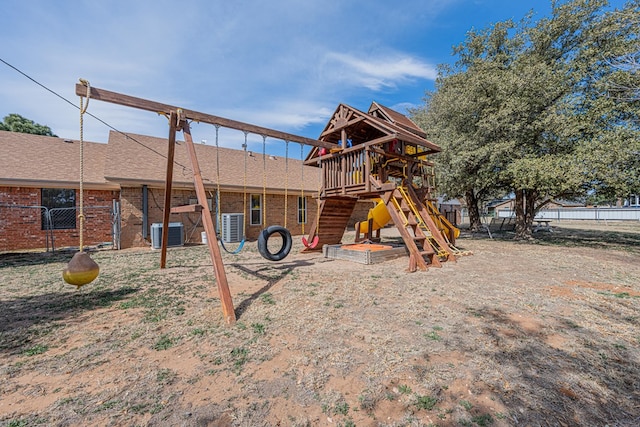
38,226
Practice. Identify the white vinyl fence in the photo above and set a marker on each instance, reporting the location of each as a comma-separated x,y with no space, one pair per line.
597,214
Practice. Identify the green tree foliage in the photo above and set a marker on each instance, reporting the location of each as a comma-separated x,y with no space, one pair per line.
528,109
461,113
17,123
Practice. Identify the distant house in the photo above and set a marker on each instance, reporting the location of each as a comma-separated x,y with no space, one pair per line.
494,207
505,207
451,209
39,176
556,204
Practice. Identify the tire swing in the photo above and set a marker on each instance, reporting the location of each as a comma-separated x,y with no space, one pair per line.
81,270
267,232
263,247
218,199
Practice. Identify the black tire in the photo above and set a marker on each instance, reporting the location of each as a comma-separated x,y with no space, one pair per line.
286,243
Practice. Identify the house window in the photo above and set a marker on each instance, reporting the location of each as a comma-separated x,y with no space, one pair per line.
302,210
256,209
62,208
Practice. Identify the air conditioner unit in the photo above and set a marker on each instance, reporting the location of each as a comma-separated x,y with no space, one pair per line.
175,238
232,227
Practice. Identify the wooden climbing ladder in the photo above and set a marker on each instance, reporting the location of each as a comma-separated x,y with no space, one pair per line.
424,241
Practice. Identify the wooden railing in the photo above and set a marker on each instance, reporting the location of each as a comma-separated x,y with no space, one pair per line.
347,172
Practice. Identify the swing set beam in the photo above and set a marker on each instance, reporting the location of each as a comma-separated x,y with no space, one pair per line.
166,109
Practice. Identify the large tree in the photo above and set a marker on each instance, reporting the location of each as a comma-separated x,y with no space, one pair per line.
526,113
458,114
17,123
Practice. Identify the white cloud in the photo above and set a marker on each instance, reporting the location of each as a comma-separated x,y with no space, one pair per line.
285,114
279,64
377,73
403,107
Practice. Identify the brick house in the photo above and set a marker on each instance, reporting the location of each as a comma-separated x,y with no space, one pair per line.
143,179
38,192
39,183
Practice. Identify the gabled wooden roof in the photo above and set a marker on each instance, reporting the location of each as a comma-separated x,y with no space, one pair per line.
380,122
396,118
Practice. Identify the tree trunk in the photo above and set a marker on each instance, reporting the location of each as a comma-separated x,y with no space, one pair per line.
474,211
525,212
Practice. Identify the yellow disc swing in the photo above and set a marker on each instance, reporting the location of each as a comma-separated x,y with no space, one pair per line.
81,270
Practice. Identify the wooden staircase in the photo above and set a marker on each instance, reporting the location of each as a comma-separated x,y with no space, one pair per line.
425,243
334,215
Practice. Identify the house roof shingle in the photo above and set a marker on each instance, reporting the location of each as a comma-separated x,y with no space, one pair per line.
146,164
135,160
35,160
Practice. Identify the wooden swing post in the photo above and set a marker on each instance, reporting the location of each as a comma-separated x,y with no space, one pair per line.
168,183
207,221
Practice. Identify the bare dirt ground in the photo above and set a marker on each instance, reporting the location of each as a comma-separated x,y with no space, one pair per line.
542,333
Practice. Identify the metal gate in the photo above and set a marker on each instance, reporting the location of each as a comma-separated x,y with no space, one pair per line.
49,221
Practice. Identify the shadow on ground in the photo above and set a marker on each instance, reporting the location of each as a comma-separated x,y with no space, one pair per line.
597,239
22,319
19,259
282,271
596,381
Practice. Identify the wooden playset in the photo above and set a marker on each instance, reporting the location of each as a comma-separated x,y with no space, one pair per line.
380,156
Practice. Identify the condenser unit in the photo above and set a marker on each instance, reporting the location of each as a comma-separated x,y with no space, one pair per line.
175,237
232,227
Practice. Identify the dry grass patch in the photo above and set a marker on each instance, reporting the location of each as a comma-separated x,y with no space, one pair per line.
538,333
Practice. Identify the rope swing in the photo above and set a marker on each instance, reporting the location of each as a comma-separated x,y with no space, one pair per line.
81,270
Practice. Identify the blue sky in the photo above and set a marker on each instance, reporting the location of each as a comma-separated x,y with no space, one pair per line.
282,64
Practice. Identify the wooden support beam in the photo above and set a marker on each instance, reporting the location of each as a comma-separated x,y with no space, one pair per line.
367,169
207,221
173,124
165,109
186,209
342,126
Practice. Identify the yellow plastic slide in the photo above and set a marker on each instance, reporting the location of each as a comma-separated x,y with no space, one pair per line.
380,216
451,231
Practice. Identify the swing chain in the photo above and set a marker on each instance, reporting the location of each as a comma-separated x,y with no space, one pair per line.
264,181
244,187
304,202
218,211
286,181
